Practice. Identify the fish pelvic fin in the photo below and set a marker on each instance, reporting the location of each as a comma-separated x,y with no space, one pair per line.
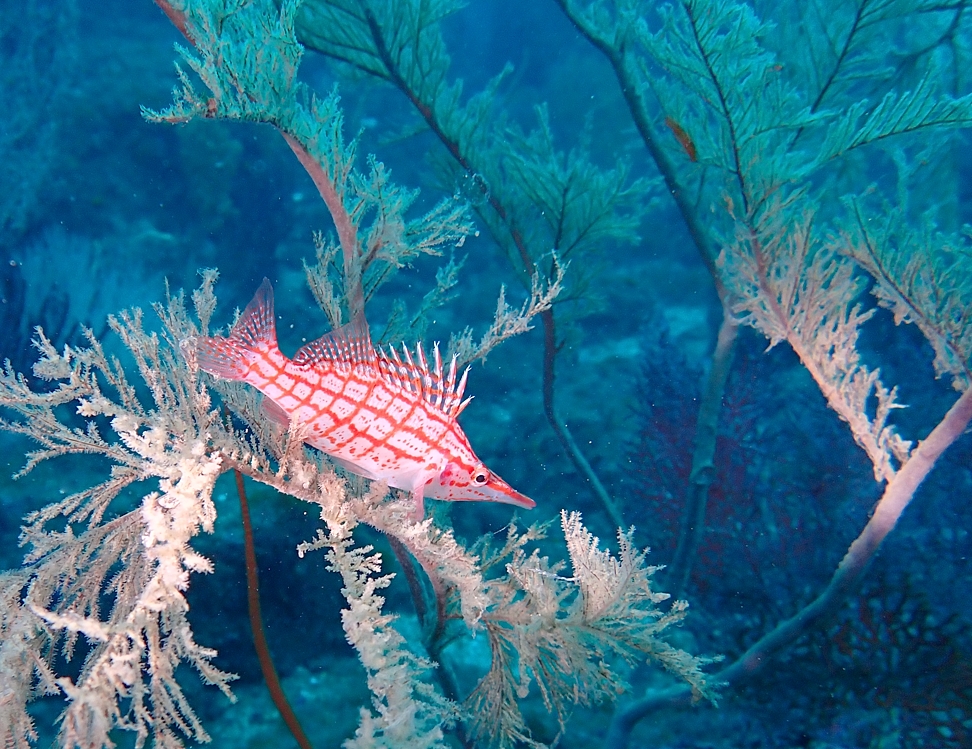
231,357
418,506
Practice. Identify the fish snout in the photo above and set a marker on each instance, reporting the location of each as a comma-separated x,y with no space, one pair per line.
506,494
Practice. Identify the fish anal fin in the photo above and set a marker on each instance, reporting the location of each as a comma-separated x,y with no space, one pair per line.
418,497
352,467
221,357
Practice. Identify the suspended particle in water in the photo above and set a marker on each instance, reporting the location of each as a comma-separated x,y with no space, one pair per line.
472,188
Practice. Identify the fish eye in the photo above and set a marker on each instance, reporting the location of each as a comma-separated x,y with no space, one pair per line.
480,477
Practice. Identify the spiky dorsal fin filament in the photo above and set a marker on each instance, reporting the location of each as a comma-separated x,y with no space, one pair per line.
420,357
438,360
457,395
414,375
462,406
450,382
437,376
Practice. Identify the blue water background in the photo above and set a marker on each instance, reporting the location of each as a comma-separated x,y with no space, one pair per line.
126,206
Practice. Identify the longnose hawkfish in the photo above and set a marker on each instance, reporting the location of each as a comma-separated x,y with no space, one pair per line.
381,416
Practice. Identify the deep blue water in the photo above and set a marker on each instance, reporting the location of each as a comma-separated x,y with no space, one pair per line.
100,209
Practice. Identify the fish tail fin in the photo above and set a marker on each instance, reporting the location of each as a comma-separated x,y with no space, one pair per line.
221,357
230,357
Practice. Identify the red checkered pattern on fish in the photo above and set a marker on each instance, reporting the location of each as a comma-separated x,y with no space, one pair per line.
377,414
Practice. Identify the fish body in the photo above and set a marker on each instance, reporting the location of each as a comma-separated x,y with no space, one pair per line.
381,416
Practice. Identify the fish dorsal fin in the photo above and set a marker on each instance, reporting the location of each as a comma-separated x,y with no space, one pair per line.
436,388
347,346
256,325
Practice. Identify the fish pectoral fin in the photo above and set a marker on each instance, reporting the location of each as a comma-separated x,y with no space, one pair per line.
354,468
275,413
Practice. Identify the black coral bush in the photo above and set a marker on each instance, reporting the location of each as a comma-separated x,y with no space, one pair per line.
180,442
759,136
116,579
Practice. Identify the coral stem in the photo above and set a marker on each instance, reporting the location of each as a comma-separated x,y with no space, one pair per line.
346,230
703,458
256,624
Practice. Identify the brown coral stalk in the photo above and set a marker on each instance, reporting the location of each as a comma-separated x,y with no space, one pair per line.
703,458
256,624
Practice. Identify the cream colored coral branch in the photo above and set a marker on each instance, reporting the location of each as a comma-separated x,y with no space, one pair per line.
791,287
509,321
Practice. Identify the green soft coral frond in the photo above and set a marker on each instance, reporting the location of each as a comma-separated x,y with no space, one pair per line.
533,198
768,103
728,92
579,205
411,40
897,113
247,55
401,42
